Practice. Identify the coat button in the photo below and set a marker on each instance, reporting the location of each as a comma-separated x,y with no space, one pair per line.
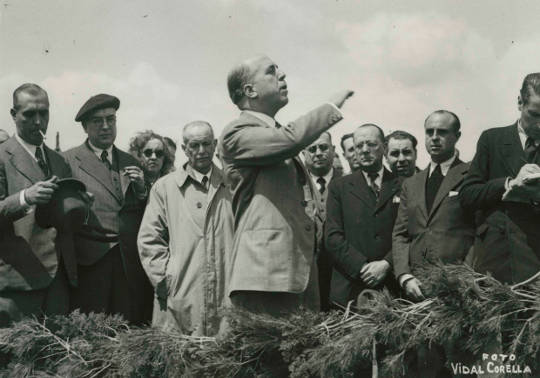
199,205
308,228
303,203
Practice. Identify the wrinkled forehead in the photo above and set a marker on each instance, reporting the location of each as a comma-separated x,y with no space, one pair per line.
198,133
399,144
366,134
259,63
38,99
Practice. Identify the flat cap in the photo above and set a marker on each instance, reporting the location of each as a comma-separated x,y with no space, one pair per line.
96,102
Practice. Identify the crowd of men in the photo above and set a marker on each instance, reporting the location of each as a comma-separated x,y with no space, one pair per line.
277,228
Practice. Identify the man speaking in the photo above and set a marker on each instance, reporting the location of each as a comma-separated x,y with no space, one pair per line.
273,268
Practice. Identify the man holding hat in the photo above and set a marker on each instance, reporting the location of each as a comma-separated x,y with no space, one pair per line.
37,263
111,279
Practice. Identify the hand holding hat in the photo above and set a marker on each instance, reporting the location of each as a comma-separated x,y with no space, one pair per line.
41,192
67,208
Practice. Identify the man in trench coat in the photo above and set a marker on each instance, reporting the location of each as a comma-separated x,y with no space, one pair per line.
186,238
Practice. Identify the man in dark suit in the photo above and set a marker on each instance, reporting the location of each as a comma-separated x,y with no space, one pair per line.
431,224
361,210
319,157
273,268
111,278
36,265
499,184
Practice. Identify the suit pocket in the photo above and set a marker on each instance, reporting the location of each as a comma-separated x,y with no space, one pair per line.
268,250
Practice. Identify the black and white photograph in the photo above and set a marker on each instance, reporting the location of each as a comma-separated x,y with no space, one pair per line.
249,188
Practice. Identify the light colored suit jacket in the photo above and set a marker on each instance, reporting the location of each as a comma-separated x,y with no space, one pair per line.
114,219
273,202
28,253
446,233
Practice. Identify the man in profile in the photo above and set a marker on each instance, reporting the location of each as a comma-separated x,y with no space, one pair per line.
274,270
401,153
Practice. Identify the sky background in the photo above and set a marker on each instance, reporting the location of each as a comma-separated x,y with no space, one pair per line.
168,60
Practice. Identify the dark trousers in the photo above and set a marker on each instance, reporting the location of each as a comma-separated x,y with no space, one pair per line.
52,300
103,287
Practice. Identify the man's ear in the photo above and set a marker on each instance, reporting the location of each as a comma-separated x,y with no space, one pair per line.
249,91
458,135
13,113
520,103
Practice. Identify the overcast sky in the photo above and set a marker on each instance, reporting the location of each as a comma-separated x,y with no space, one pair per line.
168,60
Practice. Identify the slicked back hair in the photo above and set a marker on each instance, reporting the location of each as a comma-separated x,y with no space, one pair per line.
343,139
381,132
30,88
237,78
531,83
400,134
195,123
456,124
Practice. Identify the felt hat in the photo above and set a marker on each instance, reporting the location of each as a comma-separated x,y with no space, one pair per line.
100,101
67,209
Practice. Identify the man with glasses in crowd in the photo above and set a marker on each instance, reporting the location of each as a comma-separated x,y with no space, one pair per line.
111,278
319,158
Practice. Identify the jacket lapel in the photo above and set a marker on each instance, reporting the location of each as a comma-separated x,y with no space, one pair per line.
389,187
89,162
512,150
55,162
456,174
420,181
122,163
360,189
23,162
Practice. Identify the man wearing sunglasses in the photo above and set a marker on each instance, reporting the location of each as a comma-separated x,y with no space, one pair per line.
319,160
111,278
274,270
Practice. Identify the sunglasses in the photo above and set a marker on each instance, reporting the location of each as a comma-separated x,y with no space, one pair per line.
322,147
148,153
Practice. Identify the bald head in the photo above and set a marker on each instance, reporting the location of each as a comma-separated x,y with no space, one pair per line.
199,145
258,84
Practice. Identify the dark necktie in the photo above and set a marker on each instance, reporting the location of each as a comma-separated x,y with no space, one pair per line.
278,125
322,184
531,151
372,177
432,187
41,162
104,159
204,183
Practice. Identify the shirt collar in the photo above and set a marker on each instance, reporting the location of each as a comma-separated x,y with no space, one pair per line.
186,171
98,151
378,180
263,117
199,176
327,177
30,148
445,165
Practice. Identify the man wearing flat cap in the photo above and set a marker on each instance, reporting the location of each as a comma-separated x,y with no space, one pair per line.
37,264
111,278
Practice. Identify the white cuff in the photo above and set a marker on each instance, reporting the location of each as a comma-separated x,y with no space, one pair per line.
336,108
403,278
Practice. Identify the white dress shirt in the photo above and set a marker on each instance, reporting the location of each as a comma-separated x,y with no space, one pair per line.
326,178
98,151
445,165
